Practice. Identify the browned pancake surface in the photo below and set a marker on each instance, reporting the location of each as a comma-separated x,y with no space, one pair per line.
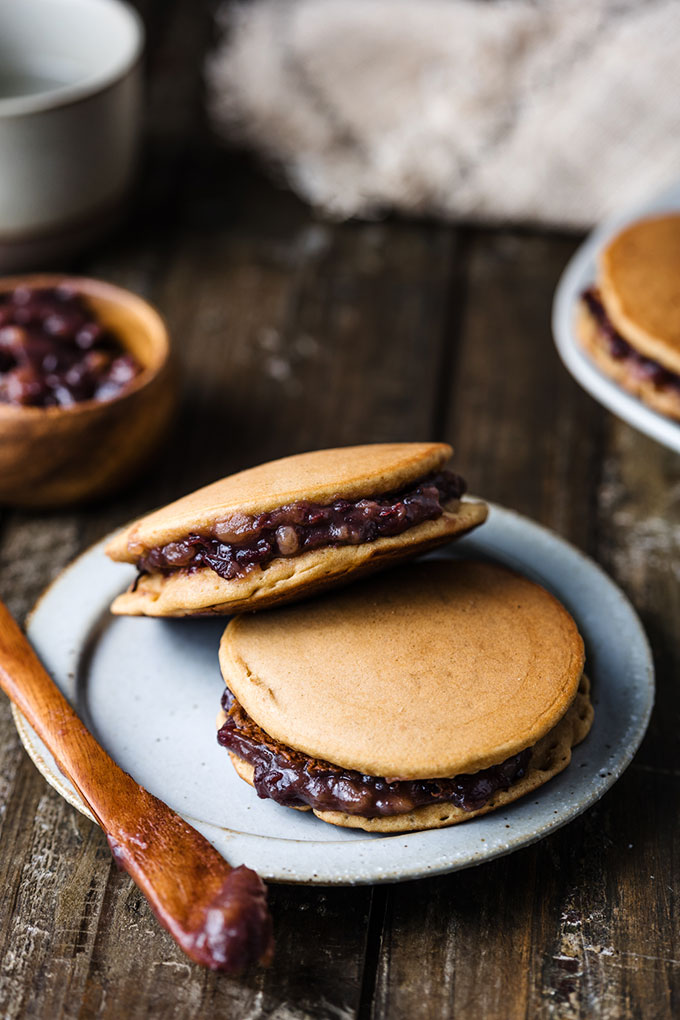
639,281
434,669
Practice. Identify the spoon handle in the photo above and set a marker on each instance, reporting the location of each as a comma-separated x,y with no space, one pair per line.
78,755
218,915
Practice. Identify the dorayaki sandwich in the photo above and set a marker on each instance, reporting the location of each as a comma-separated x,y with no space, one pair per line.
288,528
629,321
414,700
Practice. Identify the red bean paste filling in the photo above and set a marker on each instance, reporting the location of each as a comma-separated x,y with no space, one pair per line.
242,542
54,352
295,780
642,368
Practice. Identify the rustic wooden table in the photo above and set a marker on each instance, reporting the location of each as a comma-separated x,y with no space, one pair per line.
294,333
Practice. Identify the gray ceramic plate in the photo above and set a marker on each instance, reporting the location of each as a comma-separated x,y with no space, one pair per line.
150,690
579,274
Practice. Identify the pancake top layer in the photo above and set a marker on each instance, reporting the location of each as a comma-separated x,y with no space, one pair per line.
435,669
640,287
353,472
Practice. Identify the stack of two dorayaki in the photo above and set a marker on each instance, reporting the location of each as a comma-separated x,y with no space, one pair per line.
415,699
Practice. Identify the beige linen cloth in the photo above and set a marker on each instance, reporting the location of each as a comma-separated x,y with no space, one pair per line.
558,111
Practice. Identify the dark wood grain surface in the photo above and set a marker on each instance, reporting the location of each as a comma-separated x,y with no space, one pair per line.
294,333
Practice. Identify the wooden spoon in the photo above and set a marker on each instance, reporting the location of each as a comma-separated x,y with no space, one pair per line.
216,914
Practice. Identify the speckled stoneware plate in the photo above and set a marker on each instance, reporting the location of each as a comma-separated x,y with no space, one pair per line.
579,274
149,690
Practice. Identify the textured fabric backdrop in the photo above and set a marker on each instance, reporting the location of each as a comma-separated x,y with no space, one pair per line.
556,112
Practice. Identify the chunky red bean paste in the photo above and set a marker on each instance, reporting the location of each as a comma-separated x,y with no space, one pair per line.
54,352
295,780
241,542
621,350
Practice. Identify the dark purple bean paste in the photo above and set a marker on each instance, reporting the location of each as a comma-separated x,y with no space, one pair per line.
295,780
54,352
242,542
619,349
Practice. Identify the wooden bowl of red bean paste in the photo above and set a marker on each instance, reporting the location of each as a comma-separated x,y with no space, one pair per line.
86,388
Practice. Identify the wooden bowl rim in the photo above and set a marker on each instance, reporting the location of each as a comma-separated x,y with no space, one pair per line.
89,285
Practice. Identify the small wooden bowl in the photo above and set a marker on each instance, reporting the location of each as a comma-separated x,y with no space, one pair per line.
54,456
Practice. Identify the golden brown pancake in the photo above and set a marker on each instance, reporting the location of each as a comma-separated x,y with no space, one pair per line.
233,506
630,322
438,669
640,286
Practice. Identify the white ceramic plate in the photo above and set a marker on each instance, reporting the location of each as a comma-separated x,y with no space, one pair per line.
579,274
149,690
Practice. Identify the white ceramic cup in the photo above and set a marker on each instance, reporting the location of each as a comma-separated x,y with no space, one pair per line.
70,103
